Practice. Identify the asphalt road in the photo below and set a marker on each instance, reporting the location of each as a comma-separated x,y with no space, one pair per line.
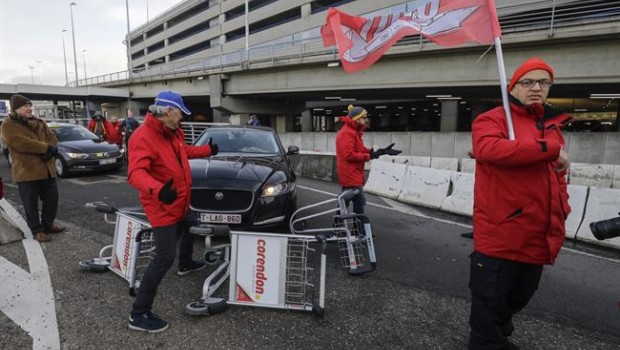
416,299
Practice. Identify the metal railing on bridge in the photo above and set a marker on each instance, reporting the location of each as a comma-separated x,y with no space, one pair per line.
542,15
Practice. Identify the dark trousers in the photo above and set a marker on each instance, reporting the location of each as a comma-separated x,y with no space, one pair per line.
166,239
499,289
359,200
30,193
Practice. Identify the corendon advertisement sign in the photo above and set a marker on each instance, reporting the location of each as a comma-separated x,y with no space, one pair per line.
125,244
260,268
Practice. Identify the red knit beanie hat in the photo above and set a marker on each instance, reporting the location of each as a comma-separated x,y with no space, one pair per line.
527,66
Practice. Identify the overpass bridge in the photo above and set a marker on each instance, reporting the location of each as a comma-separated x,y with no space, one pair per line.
301,81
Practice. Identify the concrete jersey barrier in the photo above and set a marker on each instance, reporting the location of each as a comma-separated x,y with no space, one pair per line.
577,196
461,199
425,186
602,204
385,179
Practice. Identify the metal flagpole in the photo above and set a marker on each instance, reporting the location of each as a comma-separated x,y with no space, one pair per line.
504,86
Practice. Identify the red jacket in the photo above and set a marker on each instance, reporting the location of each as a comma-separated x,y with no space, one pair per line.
115,134
520,201
108,129
351,153
156,155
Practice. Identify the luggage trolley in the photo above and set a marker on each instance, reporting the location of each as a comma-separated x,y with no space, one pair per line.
266,270
352,232
132,249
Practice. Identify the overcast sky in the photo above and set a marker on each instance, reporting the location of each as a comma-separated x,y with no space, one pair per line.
31,35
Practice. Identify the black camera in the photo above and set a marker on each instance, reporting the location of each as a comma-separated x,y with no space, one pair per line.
606,229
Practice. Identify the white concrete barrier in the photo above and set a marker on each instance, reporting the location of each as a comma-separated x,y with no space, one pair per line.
603,204
409,160
451,164
577,196
425,186
615,182
591,175
461,200
385,179
467,165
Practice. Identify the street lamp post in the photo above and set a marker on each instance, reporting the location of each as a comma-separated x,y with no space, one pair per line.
31,74
40,72
84,59
74,51
64,52
128,47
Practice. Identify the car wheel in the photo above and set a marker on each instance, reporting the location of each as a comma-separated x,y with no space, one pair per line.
61,167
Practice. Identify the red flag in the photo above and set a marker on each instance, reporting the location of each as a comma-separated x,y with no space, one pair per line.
361,41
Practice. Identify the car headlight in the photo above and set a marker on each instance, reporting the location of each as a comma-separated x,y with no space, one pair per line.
122,150
277,189
77,155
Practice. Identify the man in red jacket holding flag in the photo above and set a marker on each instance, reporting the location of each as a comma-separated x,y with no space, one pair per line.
520,204
159,169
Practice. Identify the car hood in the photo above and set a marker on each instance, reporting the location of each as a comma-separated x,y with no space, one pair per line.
241,172
86,146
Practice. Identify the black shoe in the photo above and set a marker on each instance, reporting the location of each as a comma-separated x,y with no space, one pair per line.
190,267
147,322
469,235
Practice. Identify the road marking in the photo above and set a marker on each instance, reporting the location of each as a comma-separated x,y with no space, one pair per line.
27,298
115,179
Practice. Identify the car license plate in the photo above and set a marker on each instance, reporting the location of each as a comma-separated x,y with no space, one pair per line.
107,161
220,218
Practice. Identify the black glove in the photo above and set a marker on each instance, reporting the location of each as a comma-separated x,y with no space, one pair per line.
376,154
390,151
167,194
214,147
52,150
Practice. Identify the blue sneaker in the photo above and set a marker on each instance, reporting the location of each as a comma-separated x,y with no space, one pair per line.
191,266
147,322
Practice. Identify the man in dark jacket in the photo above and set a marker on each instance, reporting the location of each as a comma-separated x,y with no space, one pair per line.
126,128
520,204
159,169
351,154
99,126
33,147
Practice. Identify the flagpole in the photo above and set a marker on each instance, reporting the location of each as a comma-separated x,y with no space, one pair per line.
504,86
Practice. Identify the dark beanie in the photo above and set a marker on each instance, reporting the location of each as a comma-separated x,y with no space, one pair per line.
18,100
356,112
527,66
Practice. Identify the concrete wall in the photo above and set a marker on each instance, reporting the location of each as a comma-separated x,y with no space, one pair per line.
589,148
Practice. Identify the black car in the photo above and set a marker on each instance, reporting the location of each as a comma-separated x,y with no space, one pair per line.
80,150
249,184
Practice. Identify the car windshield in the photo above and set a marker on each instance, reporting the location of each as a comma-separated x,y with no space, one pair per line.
72,133
241,141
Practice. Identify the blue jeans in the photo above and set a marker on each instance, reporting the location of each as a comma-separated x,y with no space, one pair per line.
359,201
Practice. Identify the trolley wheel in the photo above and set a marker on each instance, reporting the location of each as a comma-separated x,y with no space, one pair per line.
212,257
199,308
94,265
318,311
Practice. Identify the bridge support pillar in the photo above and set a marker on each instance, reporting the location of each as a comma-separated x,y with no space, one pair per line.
449,115
306,120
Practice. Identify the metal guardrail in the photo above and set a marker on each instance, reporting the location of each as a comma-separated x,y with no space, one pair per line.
543,15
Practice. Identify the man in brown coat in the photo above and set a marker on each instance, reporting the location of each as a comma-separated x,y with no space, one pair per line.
33,147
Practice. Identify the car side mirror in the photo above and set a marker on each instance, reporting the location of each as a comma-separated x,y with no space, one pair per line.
292,149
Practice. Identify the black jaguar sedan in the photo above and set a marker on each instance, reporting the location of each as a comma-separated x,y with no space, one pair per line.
249,184
81,151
